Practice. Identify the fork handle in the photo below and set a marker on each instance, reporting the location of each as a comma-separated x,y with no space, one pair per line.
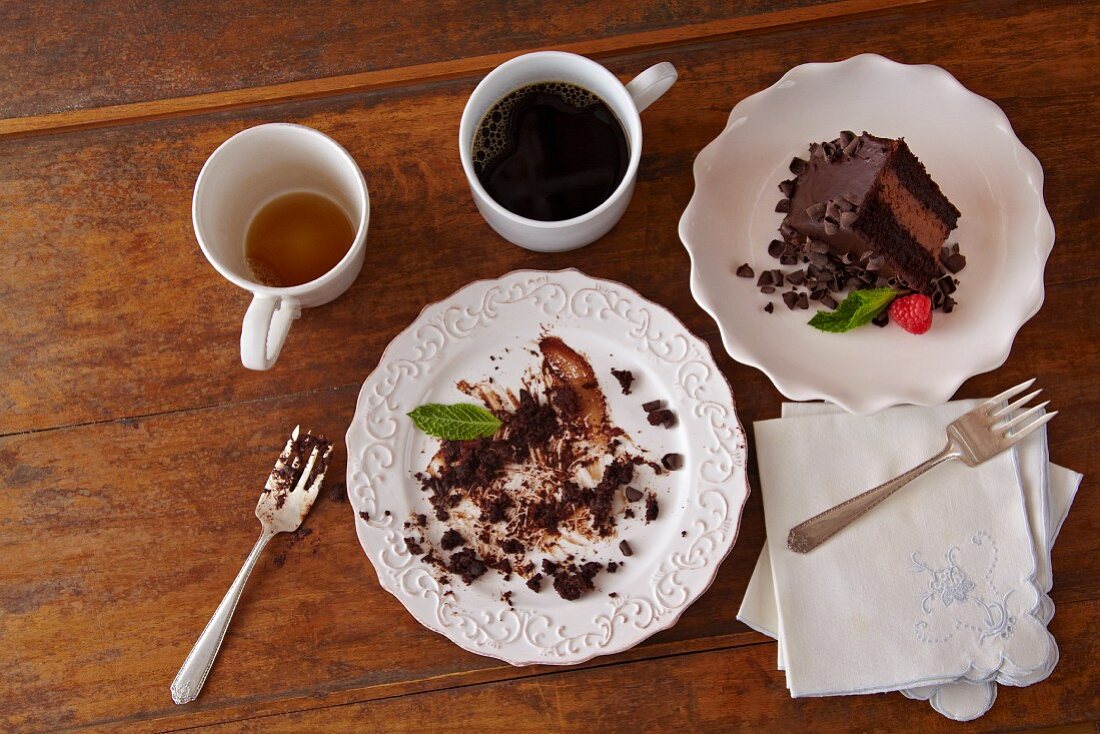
193,672
805,537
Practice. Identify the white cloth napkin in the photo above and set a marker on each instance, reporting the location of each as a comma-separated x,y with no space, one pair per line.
938,593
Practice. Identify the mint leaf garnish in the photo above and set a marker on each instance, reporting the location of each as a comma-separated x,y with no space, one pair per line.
855,311
459,422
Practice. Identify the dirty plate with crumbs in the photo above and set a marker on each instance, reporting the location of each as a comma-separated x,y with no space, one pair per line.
601,507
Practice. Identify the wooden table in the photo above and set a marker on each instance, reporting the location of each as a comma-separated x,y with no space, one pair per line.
132,440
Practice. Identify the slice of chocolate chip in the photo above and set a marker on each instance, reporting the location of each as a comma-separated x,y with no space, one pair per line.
672,462
625,548
745,271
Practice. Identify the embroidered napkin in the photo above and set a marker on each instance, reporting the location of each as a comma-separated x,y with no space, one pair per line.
951,646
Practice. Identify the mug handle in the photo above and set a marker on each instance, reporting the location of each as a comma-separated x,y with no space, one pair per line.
266,324
647,87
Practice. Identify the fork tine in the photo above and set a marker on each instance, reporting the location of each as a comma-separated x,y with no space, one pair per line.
1007,394
304,479
1017,404
1021,418
1030,428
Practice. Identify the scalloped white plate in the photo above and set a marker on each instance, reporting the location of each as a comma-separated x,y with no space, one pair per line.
675,557
968,146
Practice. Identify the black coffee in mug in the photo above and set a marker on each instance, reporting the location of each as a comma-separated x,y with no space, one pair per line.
550,151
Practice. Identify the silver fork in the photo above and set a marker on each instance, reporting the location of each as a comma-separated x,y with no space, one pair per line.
284,502
973,438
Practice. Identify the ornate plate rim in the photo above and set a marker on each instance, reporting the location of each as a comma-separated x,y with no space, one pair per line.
925,393
734,491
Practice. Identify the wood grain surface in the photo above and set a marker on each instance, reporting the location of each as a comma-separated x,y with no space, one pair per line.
132,442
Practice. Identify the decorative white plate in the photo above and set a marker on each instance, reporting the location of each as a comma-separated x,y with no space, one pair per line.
968,146
675,557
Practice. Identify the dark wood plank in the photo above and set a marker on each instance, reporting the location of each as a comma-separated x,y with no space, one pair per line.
729,690
61,56
117,540
111,311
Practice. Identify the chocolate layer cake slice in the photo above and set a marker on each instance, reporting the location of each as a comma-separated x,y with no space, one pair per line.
869,198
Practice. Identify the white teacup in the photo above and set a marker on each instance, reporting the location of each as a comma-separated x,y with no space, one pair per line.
626,101
246,172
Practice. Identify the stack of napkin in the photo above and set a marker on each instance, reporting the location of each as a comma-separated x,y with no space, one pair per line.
940,592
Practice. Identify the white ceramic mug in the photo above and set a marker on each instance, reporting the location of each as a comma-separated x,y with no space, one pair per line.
245,173
626,101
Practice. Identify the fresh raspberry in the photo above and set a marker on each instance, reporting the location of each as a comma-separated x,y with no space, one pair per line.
912,313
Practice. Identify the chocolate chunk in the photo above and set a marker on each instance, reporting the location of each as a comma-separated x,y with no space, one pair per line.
535,582
652,405
791,299
338,492
955,263
633,495
777,277
783,206
745,271
663,417
626,377
765,278
767,289
828,301
847,219
672,462
816,211
803,301
796,277
831,226
775,248
769,307
625,548
798,165
651,508
787,187
451,540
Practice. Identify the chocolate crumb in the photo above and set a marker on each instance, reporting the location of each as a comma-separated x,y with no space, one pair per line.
745,271
422,520
612,567
683,533
625,548
549,567
535,582
651,508
451,540
386,513
663,417
614,594
468,565
507,597
625,378
769,307
414,546
571,583
513,546
365,515
338,492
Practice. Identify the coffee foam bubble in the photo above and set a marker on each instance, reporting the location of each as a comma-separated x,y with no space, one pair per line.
490,140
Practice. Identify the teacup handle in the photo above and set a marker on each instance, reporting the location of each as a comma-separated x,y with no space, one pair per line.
647,87
266,324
